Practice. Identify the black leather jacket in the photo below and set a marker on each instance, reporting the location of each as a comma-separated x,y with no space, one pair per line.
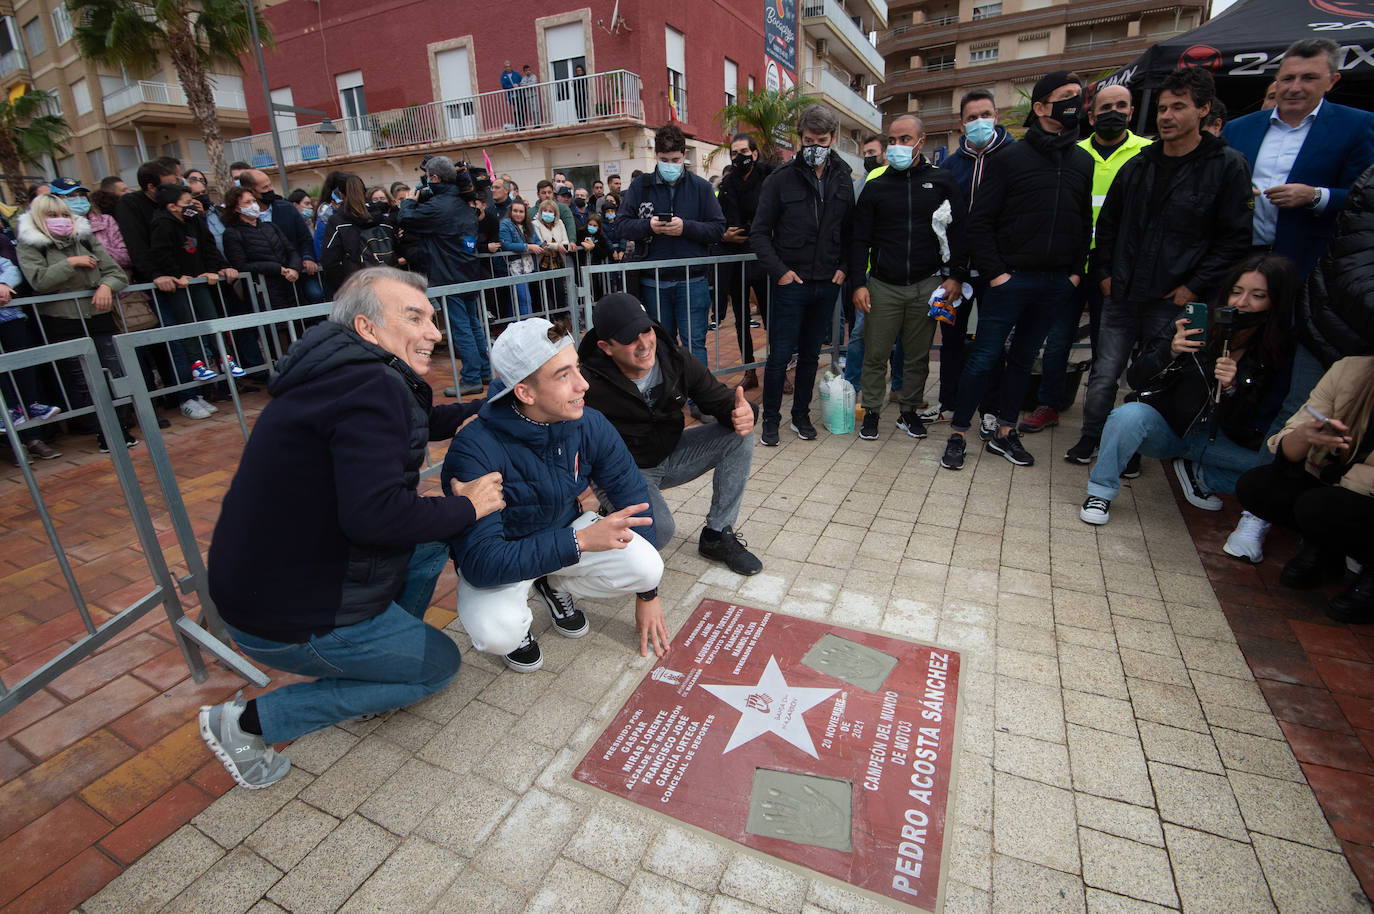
1336,308
796,229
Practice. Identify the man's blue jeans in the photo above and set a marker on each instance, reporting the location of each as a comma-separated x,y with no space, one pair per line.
1022,304
1124,324
854,355
1059,342
389,661
1136,427
797,322
682,307
468,337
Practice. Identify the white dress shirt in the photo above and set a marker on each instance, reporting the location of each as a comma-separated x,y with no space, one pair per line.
1277,153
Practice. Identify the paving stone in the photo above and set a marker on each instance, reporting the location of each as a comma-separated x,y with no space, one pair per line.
752,879
1125,820
406,798
1019,887
612,841
1213,656
650,894
1081,610
475,891
1126,867
409,880
1142,665
724,904
331,872
520,851
1099,712
467,816
315,752
1304,879
1017,664
1033,759
467,740
443,706
353,778
288,836
1029,710
828,896
1100,902
1247,752
1184,748
1109,765
1034,822
576,890
1214,875
1283,809
970,857
409,731
974,796
687,858
1257,723
159,876
1176,706
1198,800
235,884
1086,669
235,815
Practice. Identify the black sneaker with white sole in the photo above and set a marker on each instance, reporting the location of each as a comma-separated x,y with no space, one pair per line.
527,657
769,436
1190,481
1132,470
1082,452
911,423
1009,446
568,620
803,427
953,458
1095,511
869,430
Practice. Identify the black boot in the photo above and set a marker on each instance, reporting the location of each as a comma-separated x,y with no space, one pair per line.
1356,605
1310,567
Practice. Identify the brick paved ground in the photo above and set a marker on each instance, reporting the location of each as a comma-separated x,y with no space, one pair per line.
1124,748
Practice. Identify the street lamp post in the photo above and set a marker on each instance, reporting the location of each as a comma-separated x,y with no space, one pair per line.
266,94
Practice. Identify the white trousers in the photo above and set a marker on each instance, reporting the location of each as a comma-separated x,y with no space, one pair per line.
498,618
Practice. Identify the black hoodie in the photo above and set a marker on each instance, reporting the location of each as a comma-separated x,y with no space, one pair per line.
319,523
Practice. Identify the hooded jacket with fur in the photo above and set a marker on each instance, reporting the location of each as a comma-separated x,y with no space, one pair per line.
43,261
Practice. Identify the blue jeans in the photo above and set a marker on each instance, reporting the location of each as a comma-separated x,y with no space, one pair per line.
387,662
854,355
426,564
468,337
1133,427
1022,304
1124,325
1059,342
798,321
682,307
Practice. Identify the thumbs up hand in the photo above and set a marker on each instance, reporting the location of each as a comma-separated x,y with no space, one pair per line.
742,415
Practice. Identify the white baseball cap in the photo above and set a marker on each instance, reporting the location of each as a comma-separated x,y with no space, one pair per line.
522,349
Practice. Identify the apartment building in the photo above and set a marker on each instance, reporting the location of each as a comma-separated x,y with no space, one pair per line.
938,49
117,119
841,65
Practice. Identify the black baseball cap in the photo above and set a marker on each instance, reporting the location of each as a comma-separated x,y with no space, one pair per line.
620,317
1044,88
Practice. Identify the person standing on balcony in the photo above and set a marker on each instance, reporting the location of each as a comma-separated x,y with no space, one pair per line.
579,81
529,82
510,81
982,138
671,214
1029,232
1111,145
739,201
279,211
801,234
444,228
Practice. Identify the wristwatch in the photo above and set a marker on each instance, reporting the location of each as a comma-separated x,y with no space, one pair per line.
648,595
1316,198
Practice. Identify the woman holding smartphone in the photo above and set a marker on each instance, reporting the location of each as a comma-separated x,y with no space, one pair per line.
1177,378
1321,484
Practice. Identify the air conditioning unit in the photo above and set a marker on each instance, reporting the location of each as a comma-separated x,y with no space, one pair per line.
822,47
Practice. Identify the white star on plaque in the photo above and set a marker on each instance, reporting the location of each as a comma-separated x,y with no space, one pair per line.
771,706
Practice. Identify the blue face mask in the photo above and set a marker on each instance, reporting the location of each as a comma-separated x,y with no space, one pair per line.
980,132
899,157
547,217
592,230
79,206
670,171
335,197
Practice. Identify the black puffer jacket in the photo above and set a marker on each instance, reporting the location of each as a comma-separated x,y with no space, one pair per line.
1336,308
341,254
1200,231
1033,209
263,249
1181,388
794,229
652,433
322,516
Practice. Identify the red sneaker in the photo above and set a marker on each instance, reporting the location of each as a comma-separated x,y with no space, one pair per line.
1041,419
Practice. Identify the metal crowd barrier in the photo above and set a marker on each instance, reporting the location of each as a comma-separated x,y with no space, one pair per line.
162,591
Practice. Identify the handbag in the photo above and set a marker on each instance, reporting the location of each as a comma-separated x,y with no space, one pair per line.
522,265
135,312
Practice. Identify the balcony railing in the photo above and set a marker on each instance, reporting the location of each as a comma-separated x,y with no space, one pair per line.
504,113
839,21
11,61
679,103
836,89
944,63
165,94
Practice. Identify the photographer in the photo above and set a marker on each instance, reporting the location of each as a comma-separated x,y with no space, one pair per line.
1206,403
443,227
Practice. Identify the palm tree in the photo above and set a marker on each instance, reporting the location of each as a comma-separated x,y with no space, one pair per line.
192,33
771,115
28,131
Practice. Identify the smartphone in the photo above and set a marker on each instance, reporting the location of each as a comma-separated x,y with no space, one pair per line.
1196,313
665,217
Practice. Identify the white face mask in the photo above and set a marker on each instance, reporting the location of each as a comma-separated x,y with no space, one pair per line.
252,210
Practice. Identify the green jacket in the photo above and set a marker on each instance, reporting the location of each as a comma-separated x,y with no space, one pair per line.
1104,170
43,262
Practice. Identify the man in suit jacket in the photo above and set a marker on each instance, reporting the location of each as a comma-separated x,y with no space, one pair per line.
1304,155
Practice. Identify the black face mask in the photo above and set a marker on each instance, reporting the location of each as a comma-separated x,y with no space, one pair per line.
268,197
1110,124
742,161
870,163
1067,111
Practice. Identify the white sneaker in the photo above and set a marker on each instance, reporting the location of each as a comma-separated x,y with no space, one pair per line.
1095,511
1246,542
934,414
207,405
192,409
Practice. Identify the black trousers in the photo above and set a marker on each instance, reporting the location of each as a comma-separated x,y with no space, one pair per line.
1334,518
737,281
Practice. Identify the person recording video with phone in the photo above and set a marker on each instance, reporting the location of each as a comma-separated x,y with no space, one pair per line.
1206,390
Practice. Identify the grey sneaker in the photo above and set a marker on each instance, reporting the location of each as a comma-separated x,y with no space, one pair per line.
252,762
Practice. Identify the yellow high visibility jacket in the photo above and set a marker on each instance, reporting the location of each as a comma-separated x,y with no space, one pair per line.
1104,170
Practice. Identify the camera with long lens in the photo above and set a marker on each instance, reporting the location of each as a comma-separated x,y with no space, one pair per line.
472,182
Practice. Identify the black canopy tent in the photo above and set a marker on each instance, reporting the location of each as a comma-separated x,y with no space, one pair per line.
1244,46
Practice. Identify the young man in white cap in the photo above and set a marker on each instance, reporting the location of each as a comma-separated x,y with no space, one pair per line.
535,430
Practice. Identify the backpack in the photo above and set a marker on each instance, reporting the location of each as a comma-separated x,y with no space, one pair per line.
377,245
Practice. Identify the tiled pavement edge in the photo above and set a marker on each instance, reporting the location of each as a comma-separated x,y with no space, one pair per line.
1119,755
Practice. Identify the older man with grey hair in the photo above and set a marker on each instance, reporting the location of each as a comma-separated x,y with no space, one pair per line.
801,236
312,549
